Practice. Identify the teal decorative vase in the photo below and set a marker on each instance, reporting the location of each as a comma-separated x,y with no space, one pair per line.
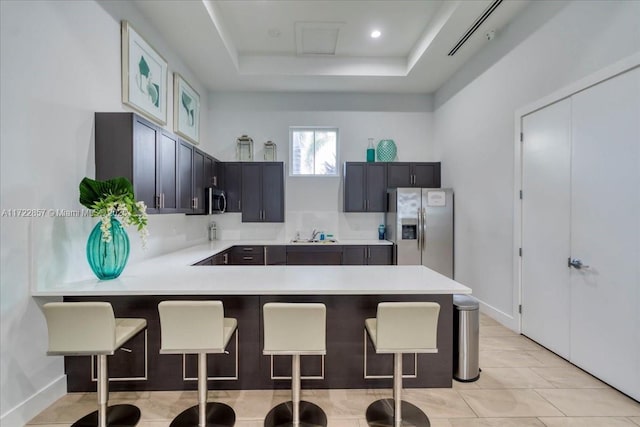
387,150
108,259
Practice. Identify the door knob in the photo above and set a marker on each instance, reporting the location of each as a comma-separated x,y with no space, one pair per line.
576,263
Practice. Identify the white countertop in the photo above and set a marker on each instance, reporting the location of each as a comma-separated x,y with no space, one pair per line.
173,274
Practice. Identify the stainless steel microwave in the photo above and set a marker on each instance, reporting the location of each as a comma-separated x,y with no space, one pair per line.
216,201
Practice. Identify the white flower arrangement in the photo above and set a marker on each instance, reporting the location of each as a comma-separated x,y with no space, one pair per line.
114,198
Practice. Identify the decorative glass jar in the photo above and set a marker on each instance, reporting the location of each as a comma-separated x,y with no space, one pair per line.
387,150
270,151
244,149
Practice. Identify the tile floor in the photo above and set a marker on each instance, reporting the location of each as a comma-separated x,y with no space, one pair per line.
521,385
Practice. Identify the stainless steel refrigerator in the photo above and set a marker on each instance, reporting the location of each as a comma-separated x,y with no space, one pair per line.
420,223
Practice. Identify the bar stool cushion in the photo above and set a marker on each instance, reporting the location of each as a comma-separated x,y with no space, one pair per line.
194,327
294,328
404,327
87,328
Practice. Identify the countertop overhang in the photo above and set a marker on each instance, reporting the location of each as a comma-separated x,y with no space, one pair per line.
174,274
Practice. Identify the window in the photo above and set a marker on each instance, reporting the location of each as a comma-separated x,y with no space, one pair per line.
313,151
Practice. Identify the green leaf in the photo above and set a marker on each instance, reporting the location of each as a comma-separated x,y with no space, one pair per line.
144,67
186,101
92,191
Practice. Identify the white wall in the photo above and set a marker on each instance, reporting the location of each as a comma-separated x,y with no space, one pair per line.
317,202
60,62
474,122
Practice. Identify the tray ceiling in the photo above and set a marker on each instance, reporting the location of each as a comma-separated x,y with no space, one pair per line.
305,45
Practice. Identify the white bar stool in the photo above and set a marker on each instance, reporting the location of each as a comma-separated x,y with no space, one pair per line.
295,329
401,327
197,327
87,329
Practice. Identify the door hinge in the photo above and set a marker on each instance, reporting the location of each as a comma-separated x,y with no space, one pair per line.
520,194
520,309
520,251
521,137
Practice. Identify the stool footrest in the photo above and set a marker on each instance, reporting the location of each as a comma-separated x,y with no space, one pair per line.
282,415
380,414
218,415
117,415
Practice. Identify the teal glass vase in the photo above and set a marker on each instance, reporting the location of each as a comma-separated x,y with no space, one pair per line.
108,259
387,150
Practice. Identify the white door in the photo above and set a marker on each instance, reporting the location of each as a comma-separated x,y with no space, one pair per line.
546,203
605,231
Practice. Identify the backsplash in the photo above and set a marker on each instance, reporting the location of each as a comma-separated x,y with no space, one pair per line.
345,226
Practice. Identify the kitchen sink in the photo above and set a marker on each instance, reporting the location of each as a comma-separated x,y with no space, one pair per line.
314,241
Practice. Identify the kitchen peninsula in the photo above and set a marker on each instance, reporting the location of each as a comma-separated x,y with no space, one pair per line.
350,292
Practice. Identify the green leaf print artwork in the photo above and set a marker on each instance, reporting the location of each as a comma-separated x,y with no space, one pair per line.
187,104
146,86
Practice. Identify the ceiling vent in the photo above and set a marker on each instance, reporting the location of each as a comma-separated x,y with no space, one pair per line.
475,26
317,38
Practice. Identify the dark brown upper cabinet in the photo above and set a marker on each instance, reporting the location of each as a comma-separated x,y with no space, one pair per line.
232,185
365,186
195,174
262,192
212,171
129,146
405,174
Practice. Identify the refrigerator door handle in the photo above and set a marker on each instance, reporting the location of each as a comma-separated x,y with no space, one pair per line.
419,231
423,232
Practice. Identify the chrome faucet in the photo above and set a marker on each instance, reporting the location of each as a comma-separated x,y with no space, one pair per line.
314,233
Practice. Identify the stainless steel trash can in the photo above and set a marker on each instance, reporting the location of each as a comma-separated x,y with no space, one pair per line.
466,329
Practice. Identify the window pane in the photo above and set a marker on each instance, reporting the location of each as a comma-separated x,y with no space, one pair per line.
314,151
325,153
302,154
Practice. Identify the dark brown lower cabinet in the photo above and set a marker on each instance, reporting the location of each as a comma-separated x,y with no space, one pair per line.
247,255
314,255
367,255
345,365
275,255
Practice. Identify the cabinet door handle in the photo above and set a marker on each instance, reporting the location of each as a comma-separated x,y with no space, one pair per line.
225,259
157,201
247,249
126,350
162,200
247,258
215,181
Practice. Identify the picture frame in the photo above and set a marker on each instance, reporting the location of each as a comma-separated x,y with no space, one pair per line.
186,110
144,76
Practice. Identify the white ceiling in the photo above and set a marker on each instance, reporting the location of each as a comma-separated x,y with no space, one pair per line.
313,45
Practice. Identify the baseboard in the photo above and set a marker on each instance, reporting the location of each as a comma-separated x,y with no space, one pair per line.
505,319
25,411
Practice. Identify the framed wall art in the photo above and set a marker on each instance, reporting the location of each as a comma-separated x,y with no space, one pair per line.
186,110
144,76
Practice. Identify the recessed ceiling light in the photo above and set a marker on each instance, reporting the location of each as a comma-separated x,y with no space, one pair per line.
375,34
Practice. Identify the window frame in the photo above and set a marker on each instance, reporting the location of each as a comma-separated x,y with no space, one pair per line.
314,129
